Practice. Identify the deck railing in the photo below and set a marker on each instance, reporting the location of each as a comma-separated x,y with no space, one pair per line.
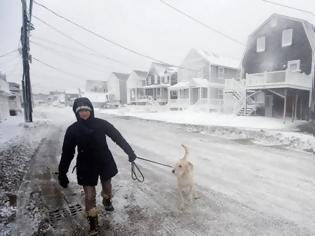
279,78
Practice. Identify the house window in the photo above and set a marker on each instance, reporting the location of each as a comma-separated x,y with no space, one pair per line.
132,94
294,65
287,37
261,44
149,80
220,71
166,79
155,79
173,94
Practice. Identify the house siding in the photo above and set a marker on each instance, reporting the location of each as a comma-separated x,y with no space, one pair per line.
275,57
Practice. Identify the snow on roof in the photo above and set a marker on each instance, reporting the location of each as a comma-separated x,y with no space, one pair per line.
160,68
96,97
199,82
121,76
141,74
195,82
182,84
216,59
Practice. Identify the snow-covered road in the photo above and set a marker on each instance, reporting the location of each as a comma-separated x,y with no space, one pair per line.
244,188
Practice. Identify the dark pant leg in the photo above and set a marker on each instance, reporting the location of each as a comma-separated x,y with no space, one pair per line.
90,197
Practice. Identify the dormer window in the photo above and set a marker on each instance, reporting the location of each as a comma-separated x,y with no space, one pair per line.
261,44
287,37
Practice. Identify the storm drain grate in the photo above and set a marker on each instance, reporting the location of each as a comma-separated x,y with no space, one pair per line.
74,209
59,214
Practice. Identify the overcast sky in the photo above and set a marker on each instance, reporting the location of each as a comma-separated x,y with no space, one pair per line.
146,26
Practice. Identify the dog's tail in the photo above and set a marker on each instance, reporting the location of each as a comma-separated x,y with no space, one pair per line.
186,151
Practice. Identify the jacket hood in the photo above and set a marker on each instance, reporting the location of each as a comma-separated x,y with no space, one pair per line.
82,102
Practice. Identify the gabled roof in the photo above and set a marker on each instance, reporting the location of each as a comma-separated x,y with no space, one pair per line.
160,68
121,76
141,74
308,27
216,59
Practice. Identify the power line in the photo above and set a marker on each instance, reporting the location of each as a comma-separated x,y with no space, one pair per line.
59,70
201,23
81,60
8,53
78,42
106,39
72,49
289,7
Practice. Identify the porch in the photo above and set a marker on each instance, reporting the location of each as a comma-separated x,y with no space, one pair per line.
158,94
279,79
196,93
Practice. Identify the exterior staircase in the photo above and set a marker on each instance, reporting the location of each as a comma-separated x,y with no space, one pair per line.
237,90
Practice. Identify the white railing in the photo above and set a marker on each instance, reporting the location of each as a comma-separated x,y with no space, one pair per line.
233,84
278,78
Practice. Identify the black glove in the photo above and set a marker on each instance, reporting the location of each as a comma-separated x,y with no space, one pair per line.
132,157
63,180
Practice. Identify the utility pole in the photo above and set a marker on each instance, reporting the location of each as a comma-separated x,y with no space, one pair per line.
26,82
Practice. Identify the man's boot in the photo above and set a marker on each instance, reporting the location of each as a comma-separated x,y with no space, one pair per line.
93,221
107,202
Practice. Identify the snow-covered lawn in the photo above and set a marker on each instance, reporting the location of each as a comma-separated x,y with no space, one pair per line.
261,130
196,117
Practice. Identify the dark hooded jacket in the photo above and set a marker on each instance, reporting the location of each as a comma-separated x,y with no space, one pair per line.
94,159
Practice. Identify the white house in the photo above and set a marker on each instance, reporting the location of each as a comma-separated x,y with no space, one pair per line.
15,99
278,70
97,92
98,86
4,97
159,78
201,77
117,88
135,87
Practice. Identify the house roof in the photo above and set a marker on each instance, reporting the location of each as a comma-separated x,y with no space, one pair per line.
160,68
195,83
121,76
141,74
308,27
216,59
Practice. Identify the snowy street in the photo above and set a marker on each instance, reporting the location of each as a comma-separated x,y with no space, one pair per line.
244,188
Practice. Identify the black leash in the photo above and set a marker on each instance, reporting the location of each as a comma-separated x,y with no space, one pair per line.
140,158
134,175
134,167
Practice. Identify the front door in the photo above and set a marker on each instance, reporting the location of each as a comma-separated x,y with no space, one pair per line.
268,105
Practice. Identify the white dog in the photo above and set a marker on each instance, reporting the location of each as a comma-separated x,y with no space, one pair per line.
185,179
